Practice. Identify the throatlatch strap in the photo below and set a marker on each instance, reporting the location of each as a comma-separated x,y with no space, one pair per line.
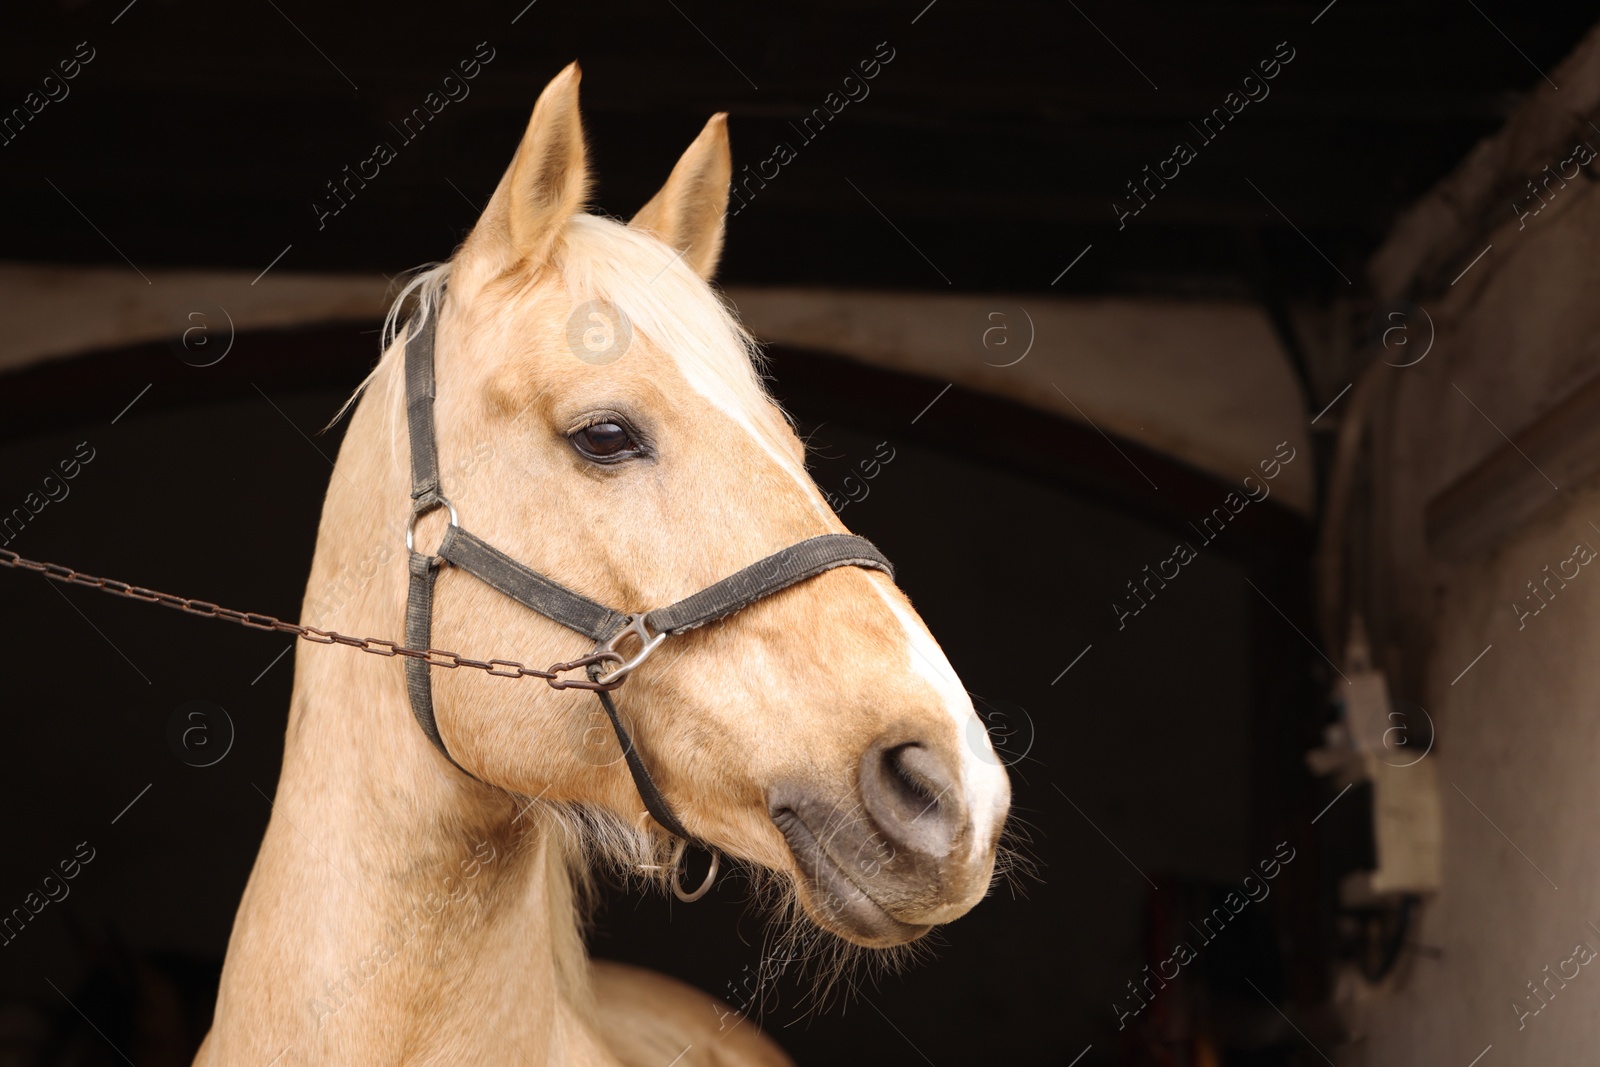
766,576
419,627
528,587
419,414
654,802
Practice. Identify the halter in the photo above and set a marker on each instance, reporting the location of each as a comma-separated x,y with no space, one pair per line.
607,628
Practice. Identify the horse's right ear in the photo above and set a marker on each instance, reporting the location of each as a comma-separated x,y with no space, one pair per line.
547,182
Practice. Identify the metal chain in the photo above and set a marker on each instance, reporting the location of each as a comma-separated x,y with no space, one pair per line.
435,657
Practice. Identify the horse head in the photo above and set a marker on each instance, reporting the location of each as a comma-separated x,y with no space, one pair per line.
820,732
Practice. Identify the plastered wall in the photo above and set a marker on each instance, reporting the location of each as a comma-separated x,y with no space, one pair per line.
1514,692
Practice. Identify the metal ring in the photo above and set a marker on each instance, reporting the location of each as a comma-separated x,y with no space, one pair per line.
677,873
411,526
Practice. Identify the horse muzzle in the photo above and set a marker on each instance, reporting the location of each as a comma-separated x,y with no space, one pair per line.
884,866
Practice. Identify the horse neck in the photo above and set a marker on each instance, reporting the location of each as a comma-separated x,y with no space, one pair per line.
396,905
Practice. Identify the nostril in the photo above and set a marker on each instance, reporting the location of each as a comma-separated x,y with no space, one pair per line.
917,793
910,792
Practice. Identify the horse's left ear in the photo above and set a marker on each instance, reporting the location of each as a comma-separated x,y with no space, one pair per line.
688,211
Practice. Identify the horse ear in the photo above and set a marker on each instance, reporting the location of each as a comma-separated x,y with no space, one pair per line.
688,211
548,181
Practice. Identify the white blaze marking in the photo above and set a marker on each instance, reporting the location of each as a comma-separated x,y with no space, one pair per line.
726,401
983,777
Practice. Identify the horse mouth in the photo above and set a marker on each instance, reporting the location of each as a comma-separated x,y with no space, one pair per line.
833,899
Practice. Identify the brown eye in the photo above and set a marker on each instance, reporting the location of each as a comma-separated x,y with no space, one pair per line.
604,440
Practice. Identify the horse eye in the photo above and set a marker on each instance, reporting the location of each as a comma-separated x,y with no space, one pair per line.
604,440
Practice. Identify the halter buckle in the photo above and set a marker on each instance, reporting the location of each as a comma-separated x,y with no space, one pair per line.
648,642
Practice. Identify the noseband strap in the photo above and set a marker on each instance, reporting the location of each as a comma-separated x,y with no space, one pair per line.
764,577
528,587
556,602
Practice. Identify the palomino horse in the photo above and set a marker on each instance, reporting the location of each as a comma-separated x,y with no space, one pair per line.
407,907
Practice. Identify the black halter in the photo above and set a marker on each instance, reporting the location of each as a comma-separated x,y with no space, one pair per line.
574,611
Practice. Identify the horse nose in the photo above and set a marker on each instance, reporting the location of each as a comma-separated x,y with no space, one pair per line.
902,851
912,791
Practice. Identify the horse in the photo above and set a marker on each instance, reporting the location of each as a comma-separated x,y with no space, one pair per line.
598,410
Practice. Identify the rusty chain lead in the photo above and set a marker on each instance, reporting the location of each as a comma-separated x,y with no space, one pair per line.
435,657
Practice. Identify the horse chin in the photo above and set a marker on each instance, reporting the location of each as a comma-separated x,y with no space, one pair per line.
832,899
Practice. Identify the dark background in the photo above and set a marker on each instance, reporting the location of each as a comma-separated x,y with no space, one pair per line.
995,141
